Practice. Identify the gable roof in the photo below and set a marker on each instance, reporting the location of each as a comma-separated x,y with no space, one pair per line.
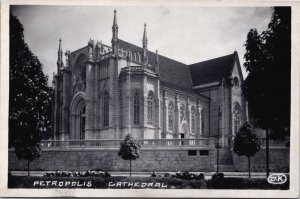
172,73
212,70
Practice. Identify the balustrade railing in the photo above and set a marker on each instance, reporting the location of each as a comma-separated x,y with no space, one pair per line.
111,143
281,142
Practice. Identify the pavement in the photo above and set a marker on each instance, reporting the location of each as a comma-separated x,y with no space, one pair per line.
148,174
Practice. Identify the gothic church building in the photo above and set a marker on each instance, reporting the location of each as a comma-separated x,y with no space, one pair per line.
106,92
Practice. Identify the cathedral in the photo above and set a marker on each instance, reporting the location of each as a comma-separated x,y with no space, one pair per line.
107,92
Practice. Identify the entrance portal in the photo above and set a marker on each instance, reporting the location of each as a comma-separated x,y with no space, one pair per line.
78,117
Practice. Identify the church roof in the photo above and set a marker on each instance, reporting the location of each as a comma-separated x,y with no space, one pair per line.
212,70
172,73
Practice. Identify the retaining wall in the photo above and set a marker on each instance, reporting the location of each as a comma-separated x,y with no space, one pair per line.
279,160
108,159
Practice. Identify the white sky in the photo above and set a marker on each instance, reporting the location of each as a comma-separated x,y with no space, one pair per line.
186,34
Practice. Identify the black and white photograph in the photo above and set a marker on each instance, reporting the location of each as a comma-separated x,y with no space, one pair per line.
196,100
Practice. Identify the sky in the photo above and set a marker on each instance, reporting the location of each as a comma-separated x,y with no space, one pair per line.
188,34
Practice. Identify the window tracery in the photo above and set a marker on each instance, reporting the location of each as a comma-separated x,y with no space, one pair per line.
105,109
171,116
136,108
193,120
150,107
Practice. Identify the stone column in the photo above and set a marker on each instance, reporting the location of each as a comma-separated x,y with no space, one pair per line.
90,91
157,111
177,115
164,112
188,116
199,119
54,108
66,102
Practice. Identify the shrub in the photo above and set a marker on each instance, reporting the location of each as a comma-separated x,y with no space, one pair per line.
154,174
184,176
200,176
78,174
217,176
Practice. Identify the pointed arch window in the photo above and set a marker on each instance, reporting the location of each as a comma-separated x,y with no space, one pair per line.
171,116
105,109
82,123
136,108
193,120
203,122
150,107
182,113
236,117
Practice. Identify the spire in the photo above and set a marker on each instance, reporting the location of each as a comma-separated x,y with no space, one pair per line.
157,62
114,40
59,57
145,40
90,49
67,54
115,24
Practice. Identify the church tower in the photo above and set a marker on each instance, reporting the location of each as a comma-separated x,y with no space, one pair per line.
114,40
145,46
60,63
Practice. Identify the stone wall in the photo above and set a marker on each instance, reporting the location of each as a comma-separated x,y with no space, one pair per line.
172,159
279,160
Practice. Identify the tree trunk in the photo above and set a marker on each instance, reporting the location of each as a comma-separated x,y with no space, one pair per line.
249,166
28,163
130,167
267,153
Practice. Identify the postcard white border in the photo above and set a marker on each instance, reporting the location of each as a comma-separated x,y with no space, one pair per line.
4,93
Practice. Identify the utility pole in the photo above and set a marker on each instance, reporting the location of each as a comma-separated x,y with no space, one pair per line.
267,153
218,138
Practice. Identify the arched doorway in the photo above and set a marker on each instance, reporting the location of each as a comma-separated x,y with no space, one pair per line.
184,132
78,117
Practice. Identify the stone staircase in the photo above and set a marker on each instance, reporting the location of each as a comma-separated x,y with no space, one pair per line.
225,160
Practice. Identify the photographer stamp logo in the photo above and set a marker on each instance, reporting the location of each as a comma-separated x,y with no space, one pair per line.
277,178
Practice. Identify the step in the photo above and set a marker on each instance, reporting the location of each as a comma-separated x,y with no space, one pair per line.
224,168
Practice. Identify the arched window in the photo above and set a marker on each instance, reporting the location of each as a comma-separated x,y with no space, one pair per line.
171,116
193,120
182,113
105,109
79,78
136,108
82,123
235,82
203,122
236,117
150,107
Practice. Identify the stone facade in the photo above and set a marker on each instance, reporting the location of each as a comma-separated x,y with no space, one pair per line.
104,92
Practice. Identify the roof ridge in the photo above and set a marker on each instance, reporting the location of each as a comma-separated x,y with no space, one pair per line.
213,59
153,52
212,70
